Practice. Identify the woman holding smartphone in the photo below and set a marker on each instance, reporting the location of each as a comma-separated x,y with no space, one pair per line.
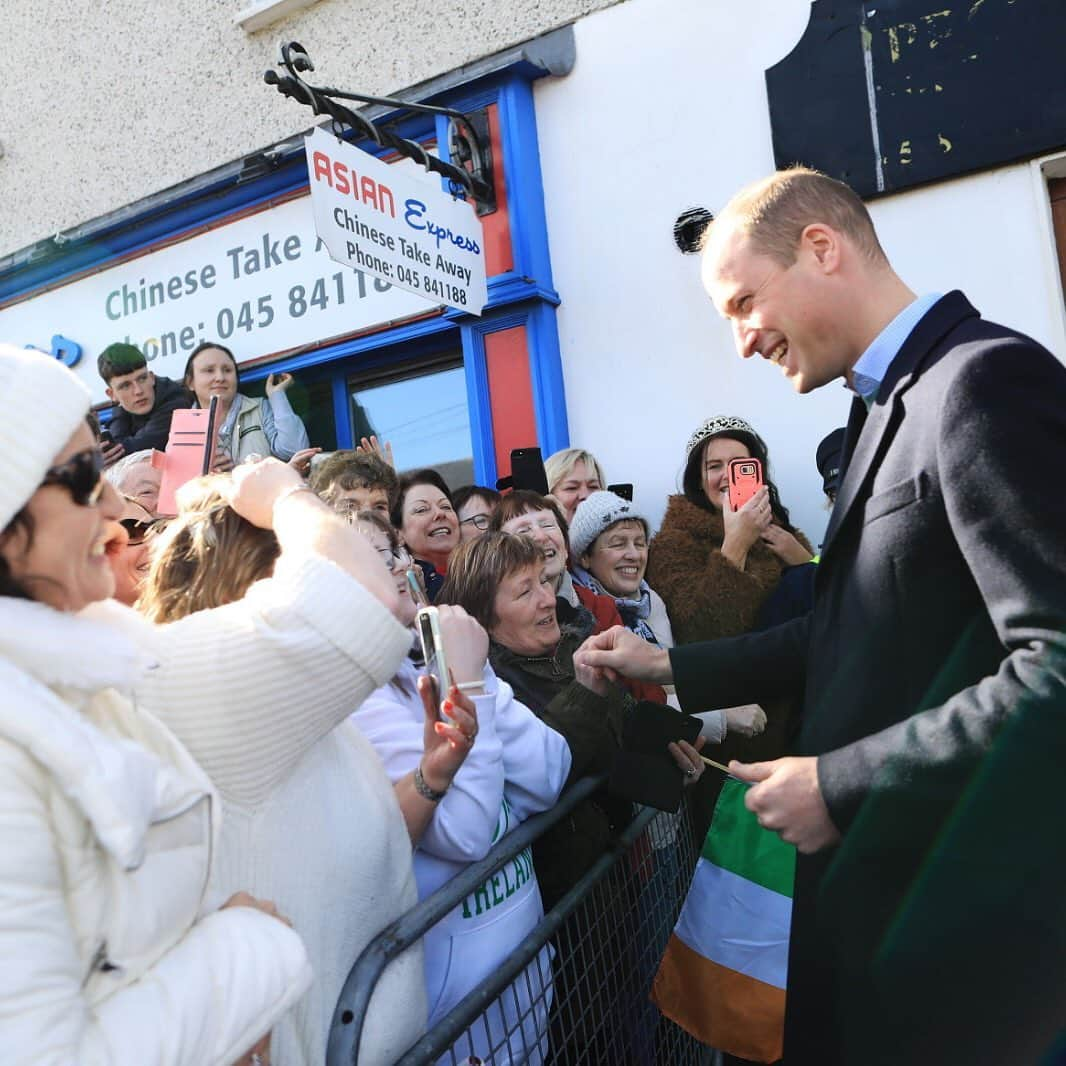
715,567
516,768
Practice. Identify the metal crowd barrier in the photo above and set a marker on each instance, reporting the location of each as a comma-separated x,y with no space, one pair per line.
575,990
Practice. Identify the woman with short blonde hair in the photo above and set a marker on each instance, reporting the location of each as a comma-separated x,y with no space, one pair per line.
573,475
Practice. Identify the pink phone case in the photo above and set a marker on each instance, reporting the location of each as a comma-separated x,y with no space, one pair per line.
745,479
190,452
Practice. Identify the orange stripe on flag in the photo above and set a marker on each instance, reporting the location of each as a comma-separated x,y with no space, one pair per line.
720,1007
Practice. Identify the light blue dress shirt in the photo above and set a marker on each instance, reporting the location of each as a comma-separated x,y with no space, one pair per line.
873,364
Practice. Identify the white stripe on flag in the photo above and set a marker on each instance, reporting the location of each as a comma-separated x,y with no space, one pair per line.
737,924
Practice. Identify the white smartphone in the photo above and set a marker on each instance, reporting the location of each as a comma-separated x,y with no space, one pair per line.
428,622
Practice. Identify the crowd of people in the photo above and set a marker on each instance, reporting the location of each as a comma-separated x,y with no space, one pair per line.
225,767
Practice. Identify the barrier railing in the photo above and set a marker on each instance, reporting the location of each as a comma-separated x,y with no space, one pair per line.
575,990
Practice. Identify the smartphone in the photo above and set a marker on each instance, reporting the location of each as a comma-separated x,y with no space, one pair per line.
527,470
416,587
190,451
745,479
625,490
428,623
105,437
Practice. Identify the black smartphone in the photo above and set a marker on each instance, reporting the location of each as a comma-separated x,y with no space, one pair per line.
105,437
625,490
527,470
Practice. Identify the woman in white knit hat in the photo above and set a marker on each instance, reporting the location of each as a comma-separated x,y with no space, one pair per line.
609,543
106,823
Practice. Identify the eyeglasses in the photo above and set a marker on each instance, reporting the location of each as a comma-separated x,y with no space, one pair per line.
395,560
139,530
479,521
82,476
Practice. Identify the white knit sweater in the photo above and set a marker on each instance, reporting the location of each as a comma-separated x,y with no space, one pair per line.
256,691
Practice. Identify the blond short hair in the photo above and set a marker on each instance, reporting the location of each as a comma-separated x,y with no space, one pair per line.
557,467
206,557
774,212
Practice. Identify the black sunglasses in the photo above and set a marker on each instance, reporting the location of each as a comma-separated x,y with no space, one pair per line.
82,477
139,530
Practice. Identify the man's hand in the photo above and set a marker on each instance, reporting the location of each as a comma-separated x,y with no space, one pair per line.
619,652
747,720
786,798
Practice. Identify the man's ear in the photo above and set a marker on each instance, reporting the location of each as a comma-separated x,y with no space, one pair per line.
823,243
585,560
111,394
151,378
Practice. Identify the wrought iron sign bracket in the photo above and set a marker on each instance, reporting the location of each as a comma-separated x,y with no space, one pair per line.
468,135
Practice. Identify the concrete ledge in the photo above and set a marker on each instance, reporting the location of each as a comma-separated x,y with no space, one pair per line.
266,12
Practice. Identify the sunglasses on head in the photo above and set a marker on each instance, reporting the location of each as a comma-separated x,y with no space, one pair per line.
82,476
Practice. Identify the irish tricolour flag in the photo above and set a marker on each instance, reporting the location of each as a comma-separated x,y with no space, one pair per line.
723,975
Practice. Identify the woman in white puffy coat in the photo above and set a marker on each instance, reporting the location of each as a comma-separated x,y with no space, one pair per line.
112,952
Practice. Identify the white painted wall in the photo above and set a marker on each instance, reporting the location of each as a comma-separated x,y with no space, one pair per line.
115,101
665,109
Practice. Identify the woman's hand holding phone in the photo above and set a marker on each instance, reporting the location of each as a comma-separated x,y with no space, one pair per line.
449,734
744,526
466,644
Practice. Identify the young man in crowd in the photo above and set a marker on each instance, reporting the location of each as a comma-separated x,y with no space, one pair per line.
925,803
353,481
143,402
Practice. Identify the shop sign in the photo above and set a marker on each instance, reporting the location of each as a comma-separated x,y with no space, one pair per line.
394,226
261,284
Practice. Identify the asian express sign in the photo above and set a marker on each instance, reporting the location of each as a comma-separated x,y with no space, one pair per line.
261,284
398,229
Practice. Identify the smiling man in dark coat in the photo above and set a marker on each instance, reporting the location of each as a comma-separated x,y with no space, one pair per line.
929,923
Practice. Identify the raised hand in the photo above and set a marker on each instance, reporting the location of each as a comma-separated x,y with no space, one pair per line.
373,446
278,383
449,733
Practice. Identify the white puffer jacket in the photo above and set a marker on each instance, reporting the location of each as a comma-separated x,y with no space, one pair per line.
107,829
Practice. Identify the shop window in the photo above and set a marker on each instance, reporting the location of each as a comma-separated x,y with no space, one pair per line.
423,414
312,400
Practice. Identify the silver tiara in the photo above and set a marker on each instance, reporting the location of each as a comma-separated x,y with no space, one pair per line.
716,424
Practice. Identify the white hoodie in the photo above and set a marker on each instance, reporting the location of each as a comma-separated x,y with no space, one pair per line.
516,768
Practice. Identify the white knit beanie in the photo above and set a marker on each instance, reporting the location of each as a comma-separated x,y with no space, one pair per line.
43,404
599,512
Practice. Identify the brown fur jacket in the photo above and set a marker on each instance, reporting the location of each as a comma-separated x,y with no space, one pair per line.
706,596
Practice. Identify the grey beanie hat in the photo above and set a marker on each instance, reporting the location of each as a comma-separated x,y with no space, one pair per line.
597,514
44,403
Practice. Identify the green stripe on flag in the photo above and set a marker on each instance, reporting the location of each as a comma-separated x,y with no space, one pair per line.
737,843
